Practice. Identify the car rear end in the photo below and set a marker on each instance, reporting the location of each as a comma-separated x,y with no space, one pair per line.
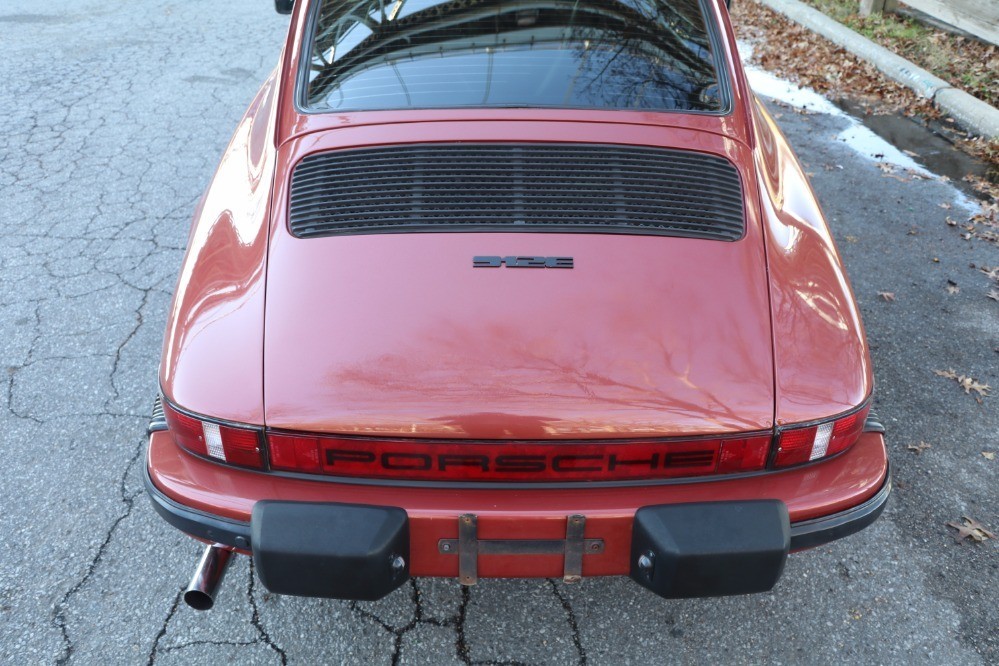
505,308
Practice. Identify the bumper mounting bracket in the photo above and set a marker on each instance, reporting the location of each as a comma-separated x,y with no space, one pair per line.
468,547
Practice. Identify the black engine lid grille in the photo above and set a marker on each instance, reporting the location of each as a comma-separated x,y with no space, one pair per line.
588,188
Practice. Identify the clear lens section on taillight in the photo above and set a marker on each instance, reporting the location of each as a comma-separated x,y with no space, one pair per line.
231,444
443,460
813,442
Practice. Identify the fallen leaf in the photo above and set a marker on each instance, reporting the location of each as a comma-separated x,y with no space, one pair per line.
966,382
971,529
993,294
951,222
885,167
910,153
946,206
991,273
887,295
936,260
989,455
952,287
918,448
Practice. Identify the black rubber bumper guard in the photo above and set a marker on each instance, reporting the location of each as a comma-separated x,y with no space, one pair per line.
352,551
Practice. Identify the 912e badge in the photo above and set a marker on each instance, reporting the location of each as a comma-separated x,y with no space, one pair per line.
522,262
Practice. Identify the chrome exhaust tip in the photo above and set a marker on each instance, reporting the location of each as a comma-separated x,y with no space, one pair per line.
200,594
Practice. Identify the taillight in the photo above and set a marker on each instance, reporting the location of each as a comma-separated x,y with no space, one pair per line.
796,445
457,460
231,444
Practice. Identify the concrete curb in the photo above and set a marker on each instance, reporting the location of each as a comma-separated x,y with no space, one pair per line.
974,114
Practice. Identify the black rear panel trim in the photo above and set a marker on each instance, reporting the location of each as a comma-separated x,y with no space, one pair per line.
517,187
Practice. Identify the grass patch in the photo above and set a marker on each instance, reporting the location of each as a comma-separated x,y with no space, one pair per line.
965,63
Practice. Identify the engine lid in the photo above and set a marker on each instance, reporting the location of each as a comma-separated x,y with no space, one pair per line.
403,335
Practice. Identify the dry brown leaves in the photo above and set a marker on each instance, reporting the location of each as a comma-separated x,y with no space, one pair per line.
918,448
991,273
989,455
984,149
984,224
970,529
965,63
966,382
796,53
887,296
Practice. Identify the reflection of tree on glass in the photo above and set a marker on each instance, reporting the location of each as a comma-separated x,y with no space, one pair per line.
617,54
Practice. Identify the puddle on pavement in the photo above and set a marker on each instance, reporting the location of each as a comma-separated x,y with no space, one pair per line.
933,150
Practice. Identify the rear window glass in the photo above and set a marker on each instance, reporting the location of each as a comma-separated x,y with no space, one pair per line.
606,54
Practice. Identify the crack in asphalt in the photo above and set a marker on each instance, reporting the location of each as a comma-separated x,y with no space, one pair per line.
182,646
570,614
258,622
458,622
59,619
263,636
154,649
140,320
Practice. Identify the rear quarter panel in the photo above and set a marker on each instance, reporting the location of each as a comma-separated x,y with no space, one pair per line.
213,349
821,359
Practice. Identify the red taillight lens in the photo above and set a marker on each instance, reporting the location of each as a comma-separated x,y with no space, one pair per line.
437,460
186,430
299,454
800,445
743,455
239,446
847,430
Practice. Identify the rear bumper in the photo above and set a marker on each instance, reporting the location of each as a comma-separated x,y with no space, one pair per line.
821,503
803,534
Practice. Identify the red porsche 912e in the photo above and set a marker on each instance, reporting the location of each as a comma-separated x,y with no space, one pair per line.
511,288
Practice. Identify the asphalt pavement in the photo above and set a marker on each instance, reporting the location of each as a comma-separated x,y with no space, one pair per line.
113,116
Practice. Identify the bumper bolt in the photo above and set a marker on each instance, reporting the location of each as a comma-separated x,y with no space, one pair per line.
645,561
398,564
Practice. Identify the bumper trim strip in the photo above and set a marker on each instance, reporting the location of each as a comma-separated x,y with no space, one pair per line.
200,524
235,533
817,531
